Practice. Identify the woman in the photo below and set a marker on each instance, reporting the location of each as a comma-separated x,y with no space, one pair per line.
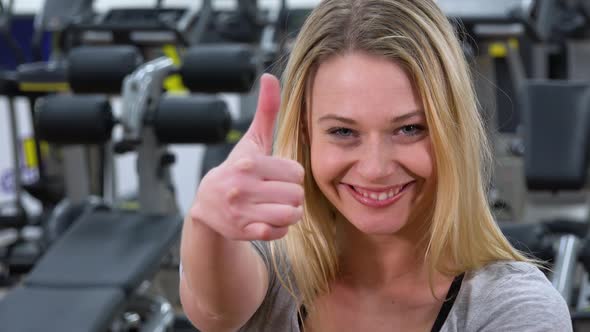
374,195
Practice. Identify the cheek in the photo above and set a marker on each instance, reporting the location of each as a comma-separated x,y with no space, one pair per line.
321,166
419,160
327,163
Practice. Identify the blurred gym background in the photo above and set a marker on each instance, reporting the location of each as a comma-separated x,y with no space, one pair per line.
174,84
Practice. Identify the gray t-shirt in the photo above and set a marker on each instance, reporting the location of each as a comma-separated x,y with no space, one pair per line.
503,296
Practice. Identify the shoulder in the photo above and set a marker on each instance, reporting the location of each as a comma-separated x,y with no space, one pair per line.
512,280
500,275
510,296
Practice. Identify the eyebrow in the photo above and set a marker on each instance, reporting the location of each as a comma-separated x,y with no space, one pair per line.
398,118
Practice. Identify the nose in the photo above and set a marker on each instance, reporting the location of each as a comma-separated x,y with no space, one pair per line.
375,162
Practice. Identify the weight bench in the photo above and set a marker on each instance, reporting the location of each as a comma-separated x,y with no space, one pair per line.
109,254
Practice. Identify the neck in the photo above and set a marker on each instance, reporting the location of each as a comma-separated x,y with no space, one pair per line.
376,261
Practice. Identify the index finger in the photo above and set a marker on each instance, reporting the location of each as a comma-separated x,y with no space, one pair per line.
270,168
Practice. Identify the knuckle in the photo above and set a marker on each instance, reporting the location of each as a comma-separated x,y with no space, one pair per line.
300,196
235,188
289,216
265,233
233,194
194,212
296,214
244,164
298,171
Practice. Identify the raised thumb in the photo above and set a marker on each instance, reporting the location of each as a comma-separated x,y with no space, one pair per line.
262,127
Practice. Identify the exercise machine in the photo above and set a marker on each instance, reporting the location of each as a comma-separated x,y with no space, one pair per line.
100,267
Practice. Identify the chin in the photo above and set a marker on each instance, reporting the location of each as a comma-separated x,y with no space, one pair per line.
376,225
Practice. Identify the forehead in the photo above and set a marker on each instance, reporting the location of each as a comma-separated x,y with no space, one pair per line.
358,84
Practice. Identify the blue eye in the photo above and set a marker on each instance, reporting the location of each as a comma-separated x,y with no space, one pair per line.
341,132
412,130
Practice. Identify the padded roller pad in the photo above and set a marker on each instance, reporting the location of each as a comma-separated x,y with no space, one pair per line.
101,69
193,119
219,68
9,84
73,119
215,154
38,309
40,78
107,249
557,134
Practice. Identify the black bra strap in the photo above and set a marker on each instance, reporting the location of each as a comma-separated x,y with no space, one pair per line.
301,316
448,304
442,314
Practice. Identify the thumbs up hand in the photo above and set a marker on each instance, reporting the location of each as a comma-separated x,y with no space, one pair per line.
253,195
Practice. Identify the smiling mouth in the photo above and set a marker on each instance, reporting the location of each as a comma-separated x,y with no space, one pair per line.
380,198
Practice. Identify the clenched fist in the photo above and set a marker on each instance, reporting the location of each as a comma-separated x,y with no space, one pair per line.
253,195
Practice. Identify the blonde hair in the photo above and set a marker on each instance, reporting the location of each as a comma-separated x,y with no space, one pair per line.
416,35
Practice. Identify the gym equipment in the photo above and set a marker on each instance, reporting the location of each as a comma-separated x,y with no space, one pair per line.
265,33
508,42
13,217
55,17
490,34
581,312
38,79
542,166
24,238
142,27
79,70
556,120
117,252
8,87
64,198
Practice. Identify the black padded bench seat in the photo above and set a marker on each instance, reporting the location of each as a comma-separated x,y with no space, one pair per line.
85,278
556,119
107,249
32,309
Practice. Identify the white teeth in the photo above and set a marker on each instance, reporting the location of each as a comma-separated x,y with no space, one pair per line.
380,196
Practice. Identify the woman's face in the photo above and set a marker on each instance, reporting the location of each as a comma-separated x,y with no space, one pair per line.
370,150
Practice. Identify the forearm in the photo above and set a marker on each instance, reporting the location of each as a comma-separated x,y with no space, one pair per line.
224,281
